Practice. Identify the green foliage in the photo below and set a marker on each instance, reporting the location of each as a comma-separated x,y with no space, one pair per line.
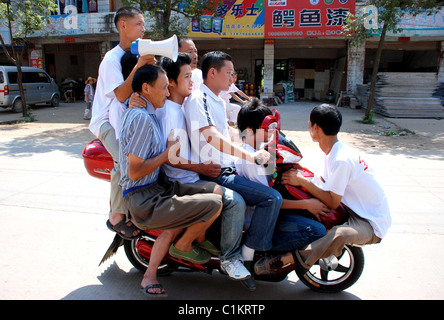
354,29
27,16
391,133
389,14
369,119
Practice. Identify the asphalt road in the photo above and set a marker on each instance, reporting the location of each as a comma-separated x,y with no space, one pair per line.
53,218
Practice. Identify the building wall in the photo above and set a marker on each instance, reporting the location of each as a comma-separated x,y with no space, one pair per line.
98,28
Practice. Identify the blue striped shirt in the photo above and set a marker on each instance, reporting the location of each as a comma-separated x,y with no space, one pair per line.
140,135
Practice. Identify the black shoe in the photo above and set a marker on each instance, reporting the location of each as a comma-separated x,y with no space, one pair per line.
249,283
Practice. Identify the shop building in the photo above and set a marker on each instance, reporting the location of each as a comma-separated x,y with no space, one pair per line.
289,48
278,47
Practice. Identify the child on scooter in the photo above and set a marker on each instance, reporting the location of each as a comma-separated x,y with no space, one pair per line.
294,228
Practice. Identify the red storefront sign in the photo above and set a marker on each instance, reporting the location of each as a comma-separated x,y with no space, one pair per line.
306,18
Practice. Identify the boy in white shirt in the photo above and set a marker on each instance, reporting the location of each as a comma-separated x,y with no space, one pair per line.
172,118
186,45
111,92
348,179
210,141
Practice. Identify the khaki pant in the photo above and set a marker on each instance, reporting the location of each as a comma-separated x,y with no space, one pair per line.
355,231
108,137
166,206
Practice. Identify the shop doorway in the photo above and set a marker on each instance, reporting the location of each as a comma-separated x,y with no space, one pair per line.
280,71
259,75
402,61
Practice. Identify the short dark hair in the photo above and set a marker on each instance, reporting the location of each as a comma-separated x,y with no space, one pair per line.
252,114
327,117
173,68
125,12
146,74
183,39
128,61
214,59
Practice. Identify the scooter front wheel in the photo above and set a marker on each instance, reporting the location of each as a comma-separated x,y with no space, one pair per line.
335,274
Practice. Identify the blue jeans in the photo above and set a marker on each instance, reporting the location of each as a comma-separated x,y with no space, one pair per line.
294,231
232,216
267,201
232,221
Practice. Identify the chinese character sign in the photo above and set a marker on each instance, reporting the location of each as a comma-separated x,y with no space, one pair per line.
424,25
233,19
306,18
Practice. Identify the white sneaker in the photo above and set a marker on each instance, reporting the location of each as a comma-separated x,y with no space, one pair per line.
235,270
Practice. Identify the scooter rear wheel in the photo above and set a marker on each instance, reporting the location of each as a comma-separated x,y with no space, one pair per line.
337,275
141,261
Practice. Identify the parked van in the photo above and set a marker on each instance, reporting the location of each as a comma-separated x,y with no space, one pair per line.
39,87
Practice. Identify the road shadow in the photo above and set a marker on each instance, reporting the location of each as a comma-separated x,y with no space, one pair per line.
409,145
379,138
369,138
117,284
64,113
71,140
373,140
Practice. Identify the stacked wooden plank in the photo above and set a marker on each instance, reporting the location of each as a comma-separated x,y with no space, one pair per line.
405,95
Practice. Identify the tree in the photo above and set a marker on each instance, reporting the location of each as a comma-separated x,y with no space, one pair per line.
168,15
389,14
23,18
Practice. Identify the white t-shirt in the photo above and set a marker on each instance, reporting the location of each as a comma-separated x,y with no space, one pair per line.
251,171
172,117
348,175
116,111
226,96
202,109
196,76
106,107
232,109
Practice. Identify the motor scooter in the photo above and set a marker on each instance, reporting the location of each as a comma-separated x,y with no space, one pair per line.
328,275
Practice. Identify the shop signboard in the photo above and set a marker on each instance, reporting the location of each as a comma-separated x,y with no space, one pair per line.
65,25
232,19
306,18
36,58
4,30
426,25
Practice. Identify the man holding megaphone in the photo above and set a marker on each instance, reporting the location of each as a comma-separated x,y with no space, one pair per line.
111,92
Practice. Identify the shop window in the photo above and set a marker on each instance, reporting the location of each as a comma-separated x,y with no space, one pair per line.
280,70
81,6
115,5
92,5
74,60
309,83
